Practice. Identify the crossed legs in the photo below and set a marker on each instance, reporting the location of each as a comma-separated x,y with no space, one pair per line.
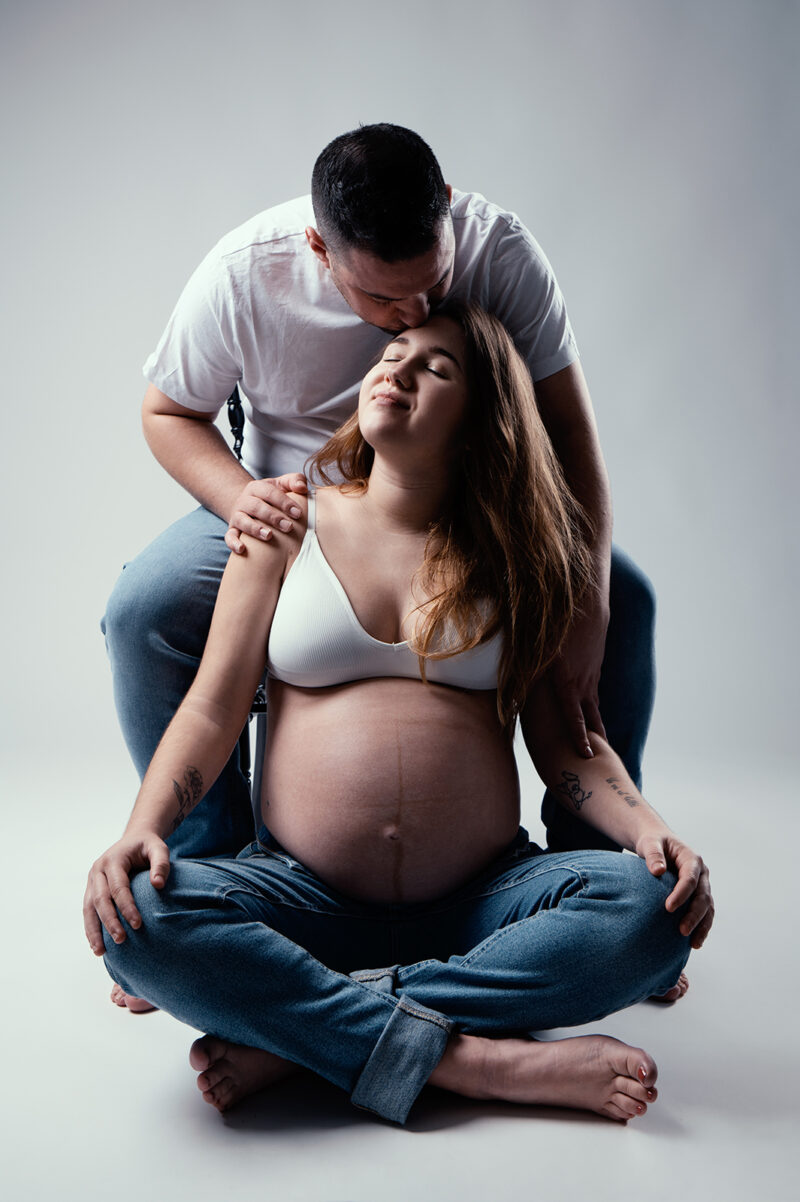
259,953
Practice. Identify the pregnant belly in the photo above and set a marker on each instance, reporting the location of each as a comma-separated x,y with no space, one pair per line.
389,790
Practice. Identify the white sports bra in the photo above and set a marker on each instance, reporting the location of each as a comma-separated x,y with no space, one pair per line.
317,640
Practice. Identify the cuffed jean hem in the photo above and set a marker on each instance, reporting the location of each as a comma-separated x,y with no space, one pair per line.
411,1045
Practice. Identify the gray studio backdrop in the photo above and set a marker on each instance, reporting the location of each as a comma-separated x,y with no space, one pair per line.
647,145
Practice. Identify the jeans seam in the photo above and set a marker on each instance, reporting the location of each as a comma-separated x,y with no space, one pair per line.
502,888
389,1000
427,1015
223,892
497,935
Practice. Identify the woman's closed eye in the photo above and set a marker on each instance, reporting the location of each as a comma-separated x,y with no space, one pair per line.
434,370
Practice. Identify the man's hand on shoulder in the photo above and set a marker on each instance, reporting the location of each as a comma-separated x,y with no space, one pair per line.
262,504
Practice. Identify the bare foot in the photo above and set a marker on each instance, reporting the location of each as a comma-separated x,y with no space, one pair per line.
230,1071
588,1072
136,1005
675,993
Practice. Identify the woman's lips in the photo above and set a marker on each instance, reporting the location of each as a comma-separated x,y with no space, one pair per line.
391,399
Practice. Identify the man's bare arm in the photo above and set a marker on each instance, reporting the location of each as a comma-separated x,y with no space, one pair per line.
566,409
188,445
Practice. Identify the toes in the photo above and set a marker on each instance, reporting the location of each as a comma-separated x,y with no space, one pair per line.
217,1072
205,1051
676,992
222,1094
629,1106
634,1089
642,1067
138,1005
612,1111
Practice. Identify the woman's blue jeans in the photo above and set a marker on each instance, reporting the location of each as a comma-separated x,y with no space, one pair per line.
257,950
156,625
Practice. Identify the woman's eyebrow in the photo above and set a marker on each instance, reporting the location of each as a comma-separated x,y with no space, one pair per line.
434,350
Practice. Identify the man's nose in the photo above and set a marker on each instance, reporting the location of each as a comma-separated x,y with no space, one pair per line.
414,310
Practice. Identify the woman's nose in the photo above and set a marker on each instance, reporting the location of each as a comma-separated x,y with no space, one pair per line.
393,376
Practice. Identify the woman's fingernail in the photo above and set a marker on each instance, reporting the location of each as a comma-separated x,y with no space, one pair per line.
265,534
294,511
285,524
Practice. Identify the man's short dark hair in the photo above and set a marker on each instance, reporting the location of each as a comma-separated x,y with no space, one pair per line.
379,188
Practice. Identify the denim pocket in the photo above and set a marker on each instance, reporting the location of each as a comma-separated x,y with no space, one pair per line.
270,847
252,849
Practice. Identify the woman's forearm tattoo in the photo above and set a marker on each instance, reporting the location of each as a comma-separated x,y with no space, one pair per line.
187,794
571,788
615,785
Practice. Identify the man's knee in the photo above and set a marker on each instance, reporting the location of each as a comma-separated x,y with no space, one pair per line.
167,593
632,597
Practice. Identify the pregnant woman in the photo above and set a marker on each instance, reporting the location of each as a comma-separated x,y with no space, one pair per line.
392,925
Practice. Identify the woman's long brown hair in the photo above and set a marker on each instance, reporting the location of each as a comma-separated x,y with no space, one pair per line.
510,552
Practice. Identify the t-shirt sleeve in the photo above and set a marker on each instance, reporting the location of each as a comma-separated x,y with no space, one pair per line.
196,361
526,297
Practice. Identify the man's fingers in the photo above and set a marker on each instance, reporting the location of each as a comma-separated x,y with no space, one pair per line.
254,515
233,542
572,714
265,495
591,714
295,483
580,736
258,526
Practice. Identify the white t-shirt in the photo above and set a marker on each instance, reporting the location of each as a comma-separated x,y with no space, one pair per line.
263,312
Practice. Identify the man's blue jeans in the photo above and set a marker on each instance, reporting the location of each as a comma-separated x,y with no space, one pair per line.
259,951
156,625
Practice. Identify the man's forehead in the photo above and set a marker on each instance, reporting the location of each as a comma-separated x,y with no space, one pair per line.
410,277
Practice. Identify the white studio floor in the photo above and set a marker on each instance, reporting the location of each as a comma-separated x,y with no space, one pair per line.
102,1104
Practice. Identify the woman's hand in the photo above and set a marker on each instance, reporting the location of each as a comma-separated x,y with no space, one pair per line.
261,504
667,851
108,889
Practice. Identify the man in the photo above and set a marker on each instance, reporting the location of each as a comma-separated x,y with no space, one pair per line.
293,306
